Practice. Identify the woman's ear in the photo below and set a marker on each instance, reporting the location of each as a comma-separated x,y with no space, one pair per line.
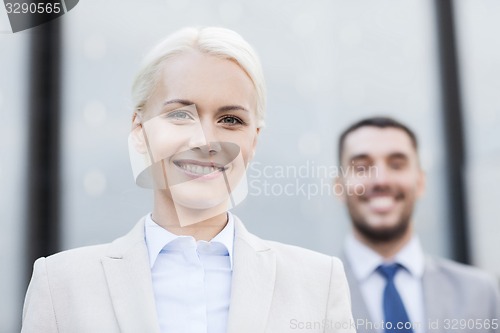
137,134
254,144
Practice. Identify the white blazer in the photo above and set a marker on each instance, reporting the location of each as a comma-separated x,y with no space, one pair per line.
107,288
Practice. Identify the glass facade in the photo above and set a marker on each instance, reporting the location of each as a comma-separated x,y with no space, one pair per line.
13,136
479,52
326,64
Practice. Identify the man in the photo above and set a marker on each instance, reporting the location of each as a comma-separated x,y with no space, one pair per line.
191,266
393,284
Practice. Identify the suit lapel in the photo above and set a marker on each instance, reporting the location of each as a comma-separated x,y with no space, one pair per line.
434,283
252,288
359,309
128,274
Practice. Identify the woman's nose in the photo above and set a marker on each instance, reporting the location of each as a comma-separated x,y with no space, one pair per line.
197,138
210,148
204,137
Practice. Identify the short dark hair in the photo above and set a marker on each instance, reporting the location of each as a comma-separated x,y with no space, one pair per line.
380,122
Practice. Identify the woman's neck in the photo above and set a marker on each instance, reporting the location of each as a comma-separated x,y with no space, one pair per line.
201,224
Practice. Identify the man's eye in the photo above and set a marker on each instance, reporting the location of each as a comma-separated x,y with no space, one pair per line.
397,165
360,166
231,120
360,170
180,115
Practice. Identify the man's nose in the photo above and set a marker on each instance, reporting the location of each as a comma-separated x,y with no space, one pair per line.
379,175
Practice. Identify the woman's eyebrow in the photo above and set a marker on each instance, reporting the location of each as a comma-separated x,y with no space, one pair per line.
231,108
184,102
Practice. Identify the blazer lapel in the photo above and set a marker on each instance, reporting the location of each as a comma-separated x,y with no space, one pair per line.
359,309
434,283
128,274
254,273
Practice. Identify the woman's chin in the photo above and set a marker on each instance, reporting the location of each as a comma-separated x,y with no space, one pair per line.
200,201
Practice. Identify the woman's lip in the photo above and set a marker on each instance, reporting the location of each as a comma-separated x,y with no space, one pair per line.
180,163
200,170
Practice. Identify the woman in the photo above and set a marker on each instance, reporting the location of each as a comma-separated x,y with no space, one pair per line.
190,265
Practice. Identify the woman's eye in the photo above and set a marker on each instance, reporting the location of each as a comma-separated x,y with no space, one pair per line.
180,115
231,120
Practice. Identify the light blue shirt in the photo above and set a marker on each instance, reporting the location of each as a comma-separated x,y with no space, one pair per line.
191,279
364,262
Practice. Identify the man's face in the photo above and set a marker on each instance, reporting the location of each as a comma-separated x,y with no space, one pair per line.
382,180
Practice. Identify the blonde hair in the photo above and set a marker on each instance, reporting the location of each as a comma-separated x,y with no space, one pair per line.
219,42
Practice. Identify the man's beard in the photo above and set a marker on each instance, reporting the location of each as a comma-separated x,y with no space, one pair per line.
377,234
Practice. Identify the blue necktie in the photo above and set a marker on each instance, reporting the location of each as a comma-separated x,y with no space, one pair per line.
395,315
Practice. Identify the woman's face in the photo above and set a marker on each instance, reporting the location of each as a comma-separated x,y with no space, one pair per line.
199,128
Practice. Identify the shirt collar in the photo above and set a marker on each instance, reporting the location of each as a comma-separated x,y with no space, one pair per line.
364,261
158,237
412,257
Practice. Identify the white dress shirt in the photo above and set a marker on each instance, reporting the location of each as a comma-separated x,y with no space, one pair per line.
364,262
191,279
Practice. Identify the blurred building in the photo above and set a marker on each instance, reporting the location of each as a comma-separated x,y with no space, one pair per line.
327,64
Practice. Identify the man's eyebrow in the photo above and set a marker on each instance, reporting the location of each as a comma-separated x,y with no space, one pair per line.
184,102
359,157
232,108
398,155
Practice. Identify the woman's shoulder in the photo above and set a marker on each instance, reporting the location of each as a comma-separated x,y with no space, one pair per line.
287,253
78,256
